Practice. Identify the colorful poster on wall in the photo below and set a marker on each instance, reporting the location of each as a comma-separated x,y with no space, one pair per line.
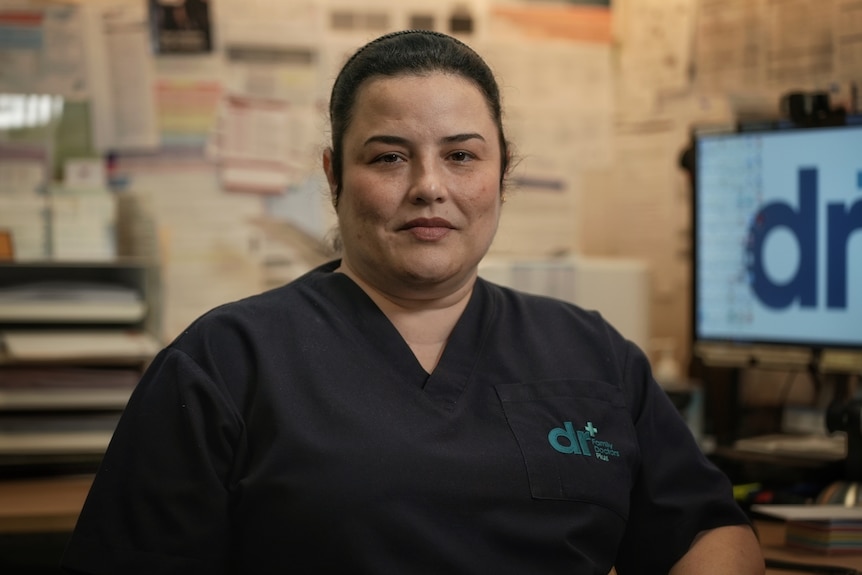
42,51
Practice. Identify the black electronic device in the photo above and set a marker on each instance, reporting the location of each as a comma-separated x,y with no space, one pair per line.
777,239
846,416
777,262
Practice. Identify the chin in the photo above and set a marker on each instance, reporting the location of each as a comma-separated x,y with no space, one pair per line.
427,276
435,274
420,269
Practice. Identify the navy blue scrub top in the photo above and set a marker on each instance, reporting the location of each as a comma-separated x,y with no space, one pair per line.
295,432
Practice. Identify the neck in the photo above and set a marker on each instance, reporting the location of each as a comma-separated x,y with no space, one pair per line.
425,323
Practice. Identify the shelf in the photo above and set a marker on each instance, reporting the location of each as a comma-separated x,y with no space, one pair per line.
121,292
62,388
75,338
46,505
115,346
63,312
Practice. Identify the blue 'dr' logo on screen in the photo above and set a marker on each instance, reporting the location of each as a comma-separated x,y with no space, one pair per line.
841,222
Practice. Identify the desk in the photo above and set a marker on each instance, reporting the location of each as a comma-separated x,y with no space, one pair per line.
771,535
42,505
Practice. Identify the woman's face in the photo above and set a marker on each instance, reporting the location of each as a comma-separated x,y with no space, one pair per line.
420,194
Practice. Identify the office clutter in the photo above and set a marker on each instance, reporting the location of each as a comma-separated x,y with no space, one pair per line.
74,339
61,225
71,218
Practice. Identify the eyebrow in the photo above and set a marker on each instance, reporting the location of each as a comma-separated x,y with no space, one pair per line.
399,141
463,138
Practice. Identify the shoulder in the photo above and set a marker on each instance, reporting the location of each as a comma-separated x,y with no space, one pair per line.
283,308
231,343
549,313
569,338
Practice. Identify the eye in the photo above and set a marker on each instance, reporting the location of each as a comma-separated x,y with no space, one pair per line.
390,158
461,156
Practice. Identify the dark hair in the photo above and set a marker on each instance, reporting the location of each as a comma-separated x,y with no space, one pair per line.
409,52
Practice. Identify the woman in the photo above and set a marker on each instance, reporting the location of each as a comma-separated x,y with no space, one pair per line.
391,412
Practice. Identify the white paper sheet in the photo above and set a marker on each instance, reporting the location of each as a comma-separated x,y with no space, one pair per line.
810,512
122,70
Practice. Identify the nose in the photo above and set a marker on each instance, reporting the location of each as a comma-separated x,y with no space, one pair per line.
428,184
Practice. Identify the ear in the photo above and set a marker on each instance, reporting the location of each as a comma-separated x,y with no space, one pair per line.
330,175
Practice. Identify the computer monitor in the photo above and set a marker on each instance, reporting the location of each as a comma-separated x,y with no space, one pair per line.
777,236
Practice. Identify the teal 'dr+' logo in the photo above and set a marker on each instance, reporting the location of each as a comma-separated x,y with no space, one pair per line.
568,440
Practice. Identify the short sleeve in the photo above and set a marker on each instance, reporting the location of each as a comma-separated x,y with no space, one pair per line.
677,492
160,500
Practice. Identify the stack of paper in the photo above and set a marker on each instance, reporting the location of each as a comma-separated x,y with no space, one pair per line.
63,302
65,388
84,345
804,445
830,536
829,529
52,435
83,226
26,218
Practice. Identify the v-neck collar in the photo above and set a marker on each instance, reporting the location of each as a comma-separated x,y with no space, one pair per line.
457,366
463,349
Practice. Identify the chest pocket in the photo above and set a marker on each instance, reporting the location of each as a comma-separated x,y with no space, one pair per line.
577,440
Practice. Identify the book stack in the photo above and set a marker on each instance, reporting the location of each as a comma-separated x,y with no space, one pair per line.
82,225
830,536
831,529
70,302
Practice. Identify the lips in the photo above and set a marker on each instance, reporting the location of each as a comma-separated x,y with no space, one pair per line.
428,229
427,223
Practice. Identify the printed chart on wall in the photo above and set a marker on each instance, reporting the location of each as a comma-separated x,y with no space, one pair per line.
42,50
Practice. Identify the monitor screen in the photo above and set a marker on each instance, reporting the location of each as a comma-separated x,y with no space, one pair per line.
777,236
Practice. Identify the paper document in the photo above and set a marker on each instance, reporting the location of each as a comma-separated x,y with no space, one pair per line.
77,344
809,446
797,512
59,302
56,435
55,443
